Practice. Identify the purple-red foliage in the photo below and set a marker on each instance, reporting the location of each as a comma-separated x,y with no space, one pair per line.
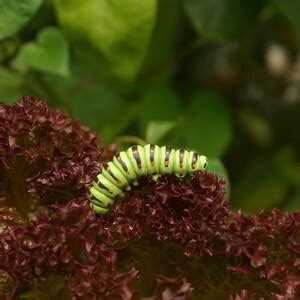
69,241
44,155
170,239
268,247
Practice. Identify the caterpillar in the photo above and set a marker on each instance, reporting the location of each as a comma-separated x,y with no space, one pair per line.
127,166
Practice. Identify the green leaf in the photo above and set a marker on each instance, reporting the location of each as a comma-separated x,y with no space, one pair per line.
222,19
290,9
110,35
97,106
8,48
294,203
51,289
206,126
258,127
155,131
216,166
59,90
286,163
167,27
266,183
10,86
111,130
158,104
50,54
258,189
7,283
14,14
270,182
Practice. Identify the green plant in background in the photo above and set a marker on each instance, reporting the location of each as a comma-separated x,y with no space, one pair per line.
188,73
48,54
15,15
113,34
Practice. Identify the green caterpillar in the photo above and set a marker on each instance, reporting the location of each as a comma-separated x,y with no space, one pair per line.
127,166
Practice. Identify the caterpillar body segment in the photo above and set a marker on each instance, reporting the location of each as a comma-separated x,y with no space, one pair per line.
202,163
112,173
192,161
101,198
181,163
98,209
167,155
136,155
127,166
152,155
107,187
96,202
122,162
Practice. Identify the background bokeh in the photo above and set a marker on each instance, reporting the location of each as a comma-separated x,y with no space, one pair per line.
218,76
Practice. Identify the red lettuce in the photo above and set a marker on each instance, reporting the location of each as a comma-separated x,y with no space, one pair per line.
170,239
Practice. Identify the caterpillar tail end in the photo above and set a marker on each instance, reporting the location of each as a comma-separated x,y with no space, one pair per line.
180,175
98,210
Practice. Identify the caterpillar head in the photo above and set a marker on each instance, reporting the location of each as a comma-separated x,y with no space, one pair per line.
202,163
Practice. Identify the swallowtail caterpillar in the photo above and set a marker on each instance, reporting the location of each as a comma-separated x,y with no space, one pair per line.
149,160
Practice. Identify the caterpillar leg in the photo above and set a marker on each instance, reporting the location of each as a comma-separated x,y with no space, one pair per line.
155,177
180,176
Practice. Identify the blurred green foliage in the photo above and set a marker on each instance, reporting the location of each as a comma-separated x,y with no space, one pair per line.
15,14
222,19
218,76
112,33
48,54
